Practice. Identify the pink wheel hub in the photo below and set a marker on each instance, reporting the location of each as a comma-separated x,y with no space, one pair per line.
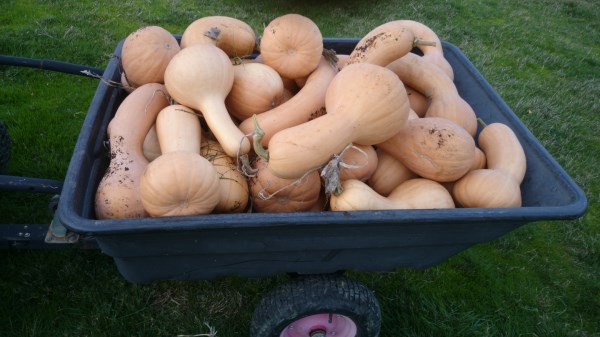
321,325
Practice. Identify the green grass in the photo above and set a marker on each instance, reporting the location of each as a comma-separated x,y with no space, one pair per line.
543,279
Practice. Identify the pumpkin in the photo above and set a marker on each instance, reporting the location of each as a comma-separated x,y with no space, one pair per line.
118,193
366,104
272,194
433,148
292,44
235,37
200,77
146,54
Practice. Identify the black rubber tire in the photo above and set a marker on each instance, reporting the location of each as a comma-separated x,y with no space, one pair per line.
316,294
5,147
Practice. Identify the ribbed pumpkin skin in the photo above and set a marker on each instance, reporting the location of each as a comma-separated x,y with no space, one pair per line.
179,183
292,44
146,54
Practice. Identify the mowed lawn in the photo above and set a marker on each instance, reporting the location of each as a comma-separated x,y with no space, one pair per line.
543,279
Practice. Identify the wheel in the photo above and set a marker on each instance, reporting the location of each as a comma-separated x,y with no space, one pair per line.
5,147
318,306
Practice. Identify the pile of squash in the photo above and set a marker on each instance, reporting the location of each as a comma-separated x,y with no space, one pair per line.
223,122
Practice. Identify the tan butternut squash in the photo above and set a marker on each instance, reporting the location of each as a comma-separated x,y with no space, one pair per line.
366,104
445,101
234,191
384,44
388,174
179,183
292,44
434,52
433,148
200,77
256,88
503,150
151,146
235,37
178,129
146,54
302,107
358,162
118,193
417,193
487,188
272,194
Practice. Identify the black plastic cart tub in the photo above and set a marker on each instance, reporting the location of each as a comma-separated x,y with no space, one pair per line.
258,245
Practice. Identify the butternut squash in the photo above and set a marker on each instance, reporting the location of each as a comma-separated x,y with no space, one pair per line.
434,52
146,54
292,44
302,107
118,193
235,37
433,148
178,129
366,104
256,88
151,146
487,188
417,193
179,183
234,191
272,194
388,174
384,44
200,77
358,162
503,150
445,101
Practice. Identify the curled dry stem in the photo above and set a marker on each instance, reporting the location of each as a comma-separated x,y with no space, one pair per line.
257,138
421,42
331,171
331,57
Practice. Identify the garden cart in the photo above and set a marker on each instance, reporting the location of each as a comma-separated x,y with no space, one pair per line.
315,248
